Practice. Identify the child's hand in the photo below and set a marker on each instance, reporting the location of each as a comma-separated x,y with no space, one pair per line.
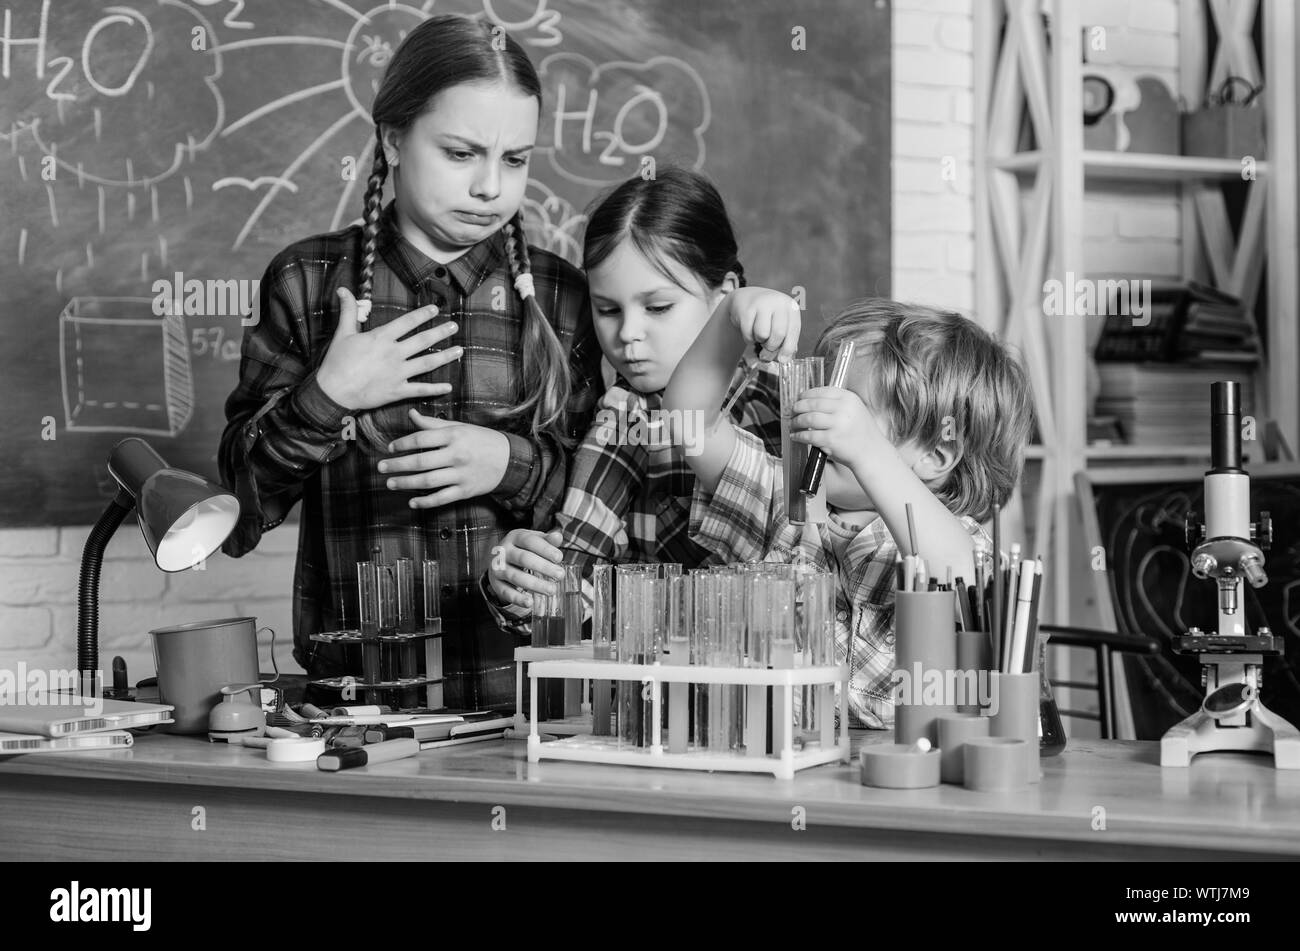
837,422
520,552
459,460
767,318
367,370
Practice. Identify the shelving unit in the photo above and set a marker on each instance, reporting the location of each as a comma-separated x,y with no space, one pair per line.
1019,245
1023,67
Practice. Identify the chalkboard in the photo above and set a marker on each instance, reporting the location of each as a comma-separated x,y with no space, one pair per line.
162,140
1150,589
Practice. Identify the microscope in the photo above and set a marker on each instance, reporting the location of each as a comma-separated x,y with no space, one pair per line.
1228,548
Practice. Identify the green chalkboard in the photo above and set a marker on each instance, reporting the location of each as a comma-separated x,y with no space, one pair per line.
158,138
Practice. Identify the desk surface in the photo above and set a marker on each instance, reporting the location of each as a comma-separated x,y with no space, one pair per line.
1224,804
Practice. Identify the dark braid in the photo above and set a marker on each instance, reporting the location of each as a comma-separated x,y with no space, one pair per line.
546,378
373,206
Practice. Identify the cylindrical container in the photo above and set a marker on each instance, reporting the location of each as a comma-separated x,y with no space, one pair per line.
369,615
196,660
431,602
602,630
996,763
678,652
574,610
1013,707
548,631
925,658
898,766
955,730
796,376
975,662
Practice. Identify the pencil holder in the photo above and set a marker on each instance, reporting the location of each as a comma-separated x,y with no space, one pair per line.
1014,708
925,661
896,766
955,731
975,661
996,763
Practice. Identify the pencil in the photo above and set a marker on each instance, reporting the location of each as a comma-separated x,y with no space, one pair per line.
911,528
1031,644
996,627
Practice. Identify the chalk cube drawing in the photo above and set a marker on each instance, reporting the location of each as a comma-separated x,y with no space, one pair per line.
124,368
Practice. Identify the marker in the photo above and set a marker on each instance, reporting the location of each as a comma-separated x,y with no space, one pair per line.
816,465
333,760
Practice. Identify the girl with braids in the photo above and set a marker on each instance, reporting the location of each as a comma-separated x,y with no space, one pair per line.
660,256
434,414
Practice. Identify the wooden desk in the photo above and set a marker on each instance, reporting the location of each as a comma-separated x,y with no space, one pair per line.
142,804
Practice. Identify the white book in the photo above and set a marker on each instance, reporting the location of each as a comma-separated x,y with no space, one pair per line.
56,715
28,743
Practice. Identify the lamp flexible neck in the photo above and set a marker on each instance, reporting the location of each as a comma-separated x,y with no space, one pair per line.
92,558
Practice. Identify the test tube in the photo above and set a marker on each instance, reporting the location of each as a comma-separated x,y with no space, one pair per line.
432,607
369,617
388,649
704,594
602,627
795,377
548,631
574,608
627,645
678,652
654,611
406,649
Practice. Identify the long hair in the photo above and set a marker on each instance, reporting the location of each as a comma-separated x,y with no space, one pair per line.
442,52
677,215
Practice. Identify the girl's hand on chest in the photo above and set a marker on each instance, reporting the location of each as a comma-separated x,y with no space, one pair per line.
456,460
364,371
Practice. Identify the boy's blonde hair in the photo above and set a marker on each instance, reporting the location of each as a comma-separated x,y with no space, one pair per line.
939,378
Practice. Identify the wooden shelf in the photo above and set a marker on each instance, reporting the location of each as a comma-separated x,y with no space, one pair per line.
1137,167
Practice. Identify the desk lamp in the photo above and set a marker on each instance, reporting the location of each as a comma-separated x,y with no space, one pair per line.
184,519
1227,547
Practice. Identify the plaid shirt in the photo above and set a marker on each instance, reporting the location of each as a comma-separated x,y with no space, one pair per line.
286,441
630,501
744,520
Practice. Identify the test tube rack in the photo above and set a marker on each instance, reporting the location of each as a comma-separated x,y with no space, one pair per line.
833,745
569,726
387,652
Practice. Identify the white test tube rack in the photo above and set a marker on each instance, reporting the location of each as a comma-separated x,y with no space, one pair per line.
783,763
570,726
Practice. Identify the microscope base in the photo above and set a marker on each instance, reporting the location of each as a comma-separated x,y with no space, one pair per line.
1265,732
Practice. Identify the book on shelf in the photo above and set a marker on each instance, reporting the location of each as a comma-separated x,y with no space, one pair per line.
1166,403
1186,323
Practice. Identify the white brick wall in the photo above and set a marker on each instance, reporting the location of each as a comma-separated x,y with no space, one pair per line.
39,569
1128,229
933,211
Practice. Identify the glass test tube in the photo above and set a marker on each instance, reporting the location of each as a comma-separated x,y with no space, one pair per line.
369,617
627,705
602,629
795,377
654,611
678,652
431,601
573,608
407,651
548,631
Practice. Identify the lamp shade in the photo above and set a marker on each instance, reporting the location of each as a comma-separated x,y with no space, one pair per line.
184,517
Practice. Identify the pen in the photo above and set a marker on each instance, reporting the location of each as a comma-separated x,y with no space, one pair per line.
816,465
333,760
1024,608
1031,643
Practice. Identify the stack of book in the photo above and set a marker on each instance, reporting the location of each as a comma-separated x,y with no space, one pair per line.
1155,371
1164,404
51,722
